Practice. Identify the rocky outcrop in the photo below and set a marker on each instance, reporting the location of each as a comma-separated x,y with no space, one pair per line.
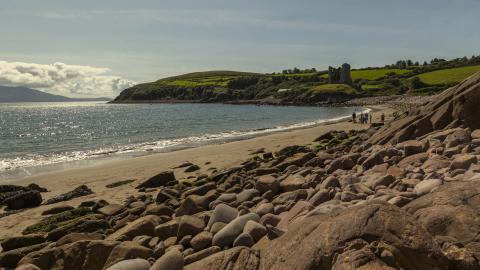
455,107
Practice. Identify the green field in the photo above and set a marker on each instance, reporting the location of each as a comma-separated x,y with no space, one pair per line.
373,74
330,88
446,76
207,78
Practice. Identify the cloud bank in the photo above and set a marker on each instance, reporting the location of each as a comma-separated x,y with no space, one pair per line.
64,79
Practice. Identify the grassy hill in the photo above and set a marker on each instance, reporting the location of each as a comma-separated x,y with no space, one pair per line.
448,76
302,87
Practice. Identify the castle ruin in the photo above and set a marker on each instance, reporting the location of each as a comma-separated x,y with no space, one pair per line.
340,75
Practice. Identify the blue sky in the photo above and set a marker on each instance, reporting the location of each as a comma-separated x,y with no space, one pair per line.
141,41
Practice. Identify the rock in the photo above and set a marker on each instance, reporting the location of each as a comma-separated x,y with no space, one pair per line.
91,223
11,258
57,209
111,209
451,211
201,254
119,183
457,137
341,163
330,182
222,213
292,182
463,162
320,197
75,237
410,147
316,242
167,229
21,241
247,195
27,267
216,227
372,160
227,235
127,250
475,134
79,191
399,201
255,229
192,168
234,258
267,183
132,264
264,208
193,204
165,178
300,209
426,186
453,107
201,190
189,225
75,256
142,226
297,159
264,171
172,260
385,180
61,219
201,241
159,210
244,240
24,199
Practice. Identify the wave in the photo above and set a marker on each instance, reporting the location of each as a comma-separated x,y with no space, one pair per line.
164,145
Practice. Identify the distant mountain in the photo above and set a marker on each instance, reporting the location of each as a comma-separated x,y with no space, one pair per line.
23,94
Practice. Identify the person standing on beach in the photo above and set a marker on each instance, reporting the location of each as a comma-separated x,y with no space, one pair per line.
354,117
383,117
370,118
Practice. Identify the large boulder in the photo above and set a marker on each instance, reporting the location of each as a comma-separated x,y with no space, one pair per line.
318,242
165,178
450,213
227,235
23,199
142,226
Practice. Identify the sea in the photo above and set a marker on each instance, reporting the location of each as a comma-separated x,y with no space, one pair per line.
38,137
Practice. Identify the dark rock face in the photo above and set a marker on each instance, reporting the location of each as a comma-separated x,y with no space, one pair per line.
25,199
79,191
359,231
453,107
162,179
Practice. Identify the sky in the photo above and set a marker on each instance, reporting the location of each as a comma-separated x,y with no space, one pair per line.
97,48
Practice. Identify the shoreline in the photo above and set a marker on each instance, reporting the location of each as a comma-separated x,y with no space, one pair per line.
132,151
218,156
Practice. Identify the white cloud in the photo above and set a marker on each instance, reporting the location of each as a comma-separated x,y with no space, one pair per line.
60,78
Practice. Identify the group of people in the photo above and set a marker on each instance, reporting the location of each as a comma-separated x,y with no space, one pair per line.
365,118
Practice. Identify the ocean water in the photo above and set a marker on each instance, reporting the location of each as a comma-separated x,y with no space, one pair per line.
33,135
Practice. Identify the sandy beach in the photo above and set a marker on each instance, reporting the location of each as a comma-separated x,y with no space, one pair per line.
207,157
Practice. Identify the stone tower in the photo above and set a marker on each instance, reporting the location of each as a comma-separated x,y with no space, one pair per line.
345,76
340,75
